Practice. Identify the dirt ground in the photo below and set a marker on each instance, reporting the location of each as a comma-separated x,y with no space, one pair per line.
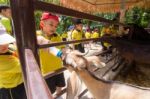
139,75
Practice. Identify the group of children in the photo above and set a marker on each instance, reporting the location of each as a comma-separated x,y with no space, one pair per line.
11,79
77,34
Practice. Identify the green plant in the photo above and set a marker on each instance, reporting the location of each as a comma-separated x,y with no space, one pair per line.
4,2
138,16
37,15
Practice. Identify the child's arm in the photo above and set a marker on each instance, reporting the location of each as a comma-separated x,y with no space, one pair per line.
55,51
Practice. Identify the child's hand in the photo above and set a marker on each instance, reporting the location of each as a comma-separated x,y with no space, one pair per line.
3,48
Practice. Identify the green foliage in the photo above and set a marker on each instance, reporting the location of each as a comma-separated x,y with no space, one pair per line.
145,20
4,1
135,15
37,15
64,23
138,16
57,2
109,16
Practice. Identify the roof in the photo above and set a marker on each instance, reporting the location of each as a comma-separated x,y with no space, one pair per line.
92,6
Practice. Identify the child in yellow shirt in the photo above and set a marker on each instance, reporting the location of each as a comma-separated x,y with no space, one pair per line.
95,33
78,35
11,81
49,62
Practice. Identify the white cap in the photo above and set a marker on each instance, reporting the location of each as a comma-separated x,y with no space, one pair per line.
5,38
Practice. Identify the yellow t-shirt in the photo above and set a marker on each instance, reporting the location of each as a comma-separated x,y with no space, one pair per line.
64,35
114,31
48,61
10,71
103,32
7,23
95,35
87,35
76,35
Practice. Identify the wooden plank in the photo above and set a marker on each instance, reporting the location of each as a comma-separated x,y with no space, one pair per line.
39,5
82,93
110,65
61,93
109,3
58,71
36,85
24,30
112,74
68,42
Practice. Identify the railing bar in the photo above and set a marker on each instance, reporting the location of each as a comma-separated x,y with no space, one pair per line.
82,93
67,42
39,5
58,71
61,93
34,78
104,52
111,59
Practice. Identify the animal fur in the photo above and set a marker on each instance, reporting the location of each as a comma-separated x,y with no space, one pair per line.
74,84
92,60
99,88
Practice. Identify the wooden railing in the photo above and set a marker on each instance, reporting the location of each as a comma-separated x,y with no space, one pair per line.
24,26
36,85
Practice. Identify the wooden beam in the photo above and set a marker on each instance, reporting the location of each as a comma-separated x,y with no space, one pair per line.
111,74
39,5
36,85
61,93
50,74
110,3
18,34
68,42
24,30
122,15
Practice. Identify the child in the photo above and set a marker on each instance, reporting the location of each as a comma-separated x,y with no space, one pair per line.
5,18
88,33
78,35
49,62
95,33
11,83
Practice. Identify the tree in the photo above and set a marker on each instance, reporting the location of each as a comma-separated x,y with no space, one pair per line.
138,16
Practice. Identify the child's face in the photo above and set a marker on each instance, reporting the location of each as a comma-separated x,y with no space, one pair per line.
7,12
3,48
50,26
79,27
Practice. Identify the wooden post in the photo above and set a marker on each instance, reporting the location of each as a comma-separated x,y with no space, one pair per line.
36,83
122,14
24,28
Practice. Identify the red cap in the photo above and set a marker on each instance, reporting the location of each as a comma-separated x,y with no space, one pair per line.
47,15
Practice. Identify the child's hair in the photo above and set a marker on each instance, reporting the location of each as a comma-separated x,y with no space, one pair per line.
77,21
4,7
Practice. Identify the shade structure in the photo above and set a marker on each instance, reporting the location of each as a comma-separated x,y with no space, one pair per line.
95,6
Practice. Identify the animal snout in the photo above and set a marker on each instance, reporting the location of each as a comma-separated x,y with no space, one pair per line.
75,60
